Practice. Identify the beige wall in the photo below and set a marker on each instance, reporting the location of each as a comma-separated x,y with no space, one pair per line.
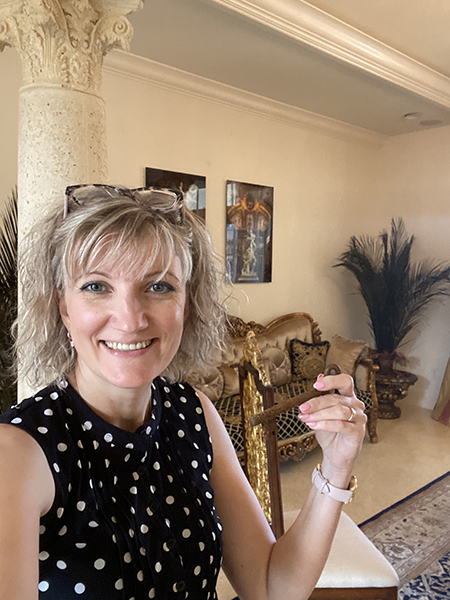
325,191
415,184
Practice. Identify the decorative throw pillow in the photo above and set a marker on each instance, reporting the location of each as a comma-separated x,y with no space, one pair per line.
307,360
345,353
278,365
212,384
231,381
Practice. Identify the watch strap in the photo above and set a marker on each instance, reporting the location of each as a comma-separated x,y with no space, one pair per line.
328,489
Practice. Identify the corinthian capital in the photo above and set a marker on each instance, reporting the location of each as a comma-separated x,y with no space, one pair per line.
63,41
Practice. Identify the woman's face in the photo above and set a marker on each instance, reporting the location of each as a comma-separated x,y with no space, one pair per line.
126,327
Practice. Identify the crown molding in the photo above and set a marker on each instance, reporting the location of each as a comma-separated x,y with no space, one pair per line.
309,25
154,73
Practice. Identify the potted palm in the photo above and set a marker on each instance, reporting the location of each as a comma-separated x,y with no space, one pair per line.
396,291
8,299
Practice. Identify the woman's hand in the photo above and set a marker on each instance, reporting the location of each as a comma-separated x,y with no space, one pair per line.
339,421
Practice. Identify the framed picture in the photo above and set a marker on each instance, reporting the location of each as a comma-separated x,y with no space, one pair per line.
249,232
193,187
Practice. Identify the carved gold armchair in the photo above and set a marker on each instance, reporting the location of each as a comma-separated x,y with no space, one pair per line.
355,569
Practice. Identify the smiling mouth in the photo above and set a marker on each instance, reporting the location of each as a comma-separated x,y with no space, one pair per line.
128,347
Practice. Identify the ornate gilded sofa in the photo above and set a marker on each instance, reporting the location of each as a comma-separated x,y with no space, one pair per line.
294,355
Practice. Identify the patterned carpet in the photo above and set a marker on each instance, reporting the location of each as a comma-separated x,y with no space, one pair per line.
414,535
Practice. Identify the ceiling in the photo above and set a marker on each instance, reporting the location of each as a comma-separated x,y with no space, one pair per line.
363,63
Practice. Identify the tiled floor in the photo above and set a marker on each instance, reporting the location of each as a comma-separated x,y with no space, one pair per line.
411,451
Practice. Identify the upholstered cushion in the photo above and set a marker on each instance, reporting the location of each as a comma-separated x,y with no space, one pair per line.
277,363
344,352
231,381
211,384
307,360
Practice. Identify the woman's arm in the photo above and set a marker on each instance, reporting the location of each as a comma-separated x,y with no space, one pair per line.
258,567
26,492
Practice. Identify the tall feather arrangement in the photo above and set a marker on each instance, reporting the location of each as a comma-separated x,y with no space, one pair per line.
8,298
396,290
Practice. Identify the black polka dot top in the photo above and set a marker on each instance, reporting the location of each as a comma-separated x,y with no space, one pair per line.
133,516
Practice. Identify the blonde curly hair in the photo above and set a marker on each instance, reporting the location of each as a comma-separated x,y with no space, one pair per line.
61,248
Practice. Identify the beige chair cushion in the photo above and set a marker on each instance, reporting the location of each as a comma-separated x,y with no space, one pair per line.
211,384
345,353
353,561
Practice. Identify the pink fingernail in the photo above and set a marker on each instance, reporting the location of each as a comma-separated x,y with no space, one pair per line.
304,407
319,385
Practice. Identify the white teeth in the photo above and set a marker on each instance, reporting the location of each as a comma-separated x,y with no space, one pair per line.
128,347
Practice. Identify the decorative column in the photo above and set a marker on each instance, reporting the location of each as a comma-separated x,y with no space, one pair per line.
62,126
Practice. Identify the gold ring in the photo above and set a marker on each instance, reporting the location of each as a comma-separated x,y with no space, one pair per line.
353,415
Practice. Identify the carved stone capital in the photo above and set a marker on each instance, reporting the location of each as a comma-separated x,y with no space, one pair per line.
63,42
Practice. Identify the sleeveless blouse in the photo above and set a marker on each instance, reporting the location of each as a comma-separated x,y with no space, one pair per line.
133,516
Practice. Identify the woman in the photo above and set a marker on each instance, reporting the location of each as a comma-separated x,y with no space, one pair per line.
116,481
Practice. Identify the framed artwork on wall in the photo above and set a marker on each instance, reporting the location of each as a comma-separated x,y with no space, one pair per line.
249,232
193,187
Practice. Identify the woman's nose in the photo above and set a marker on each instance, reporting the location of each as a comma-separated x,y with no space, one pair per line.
129,314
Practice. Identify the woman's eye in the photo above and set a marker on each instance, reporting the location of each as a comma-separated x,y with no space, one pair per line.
93,286
161,287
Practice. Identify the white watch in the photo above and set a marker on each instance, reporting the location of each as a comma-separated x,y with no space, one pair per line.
328,489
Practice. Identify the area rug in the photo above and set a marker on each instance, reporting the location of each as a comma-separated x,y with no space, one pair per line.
414,535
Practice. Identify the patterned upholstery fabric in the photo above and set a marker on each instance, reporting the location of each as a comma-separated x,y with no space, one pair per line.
307,360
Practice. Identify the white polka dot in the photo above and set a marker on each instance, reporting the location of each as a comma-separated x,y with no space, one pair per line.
43,555
81,505
108,437
170,499
208,495
119,584
60,512
144,528
129,446
197,570
196,446
48,412
99,564
204,583
127,457
186,510
69,411
183,399
152,489
194,463
158,567
152,593
54,395
131,533
93,524
156,466
63,531
143,551
61,565
80,545
87,425
186,533
43,586
198,427
107,463
201,545
62,447
167,404
80,444
202,522
41,529
42,430
182,416
127,557
180,433
180,385
95,444
133,490
199,410
140,576
16,421
38,398
205,476
167,390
